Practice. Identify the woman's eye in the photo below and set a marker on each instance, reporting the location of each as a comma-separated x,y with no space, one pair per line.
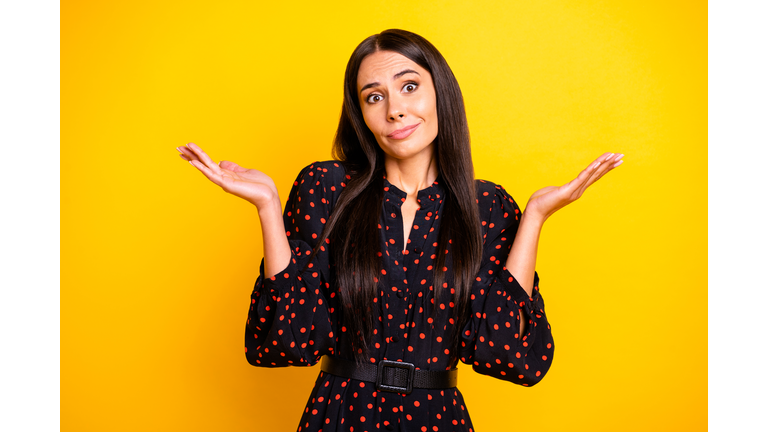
410,87
374,98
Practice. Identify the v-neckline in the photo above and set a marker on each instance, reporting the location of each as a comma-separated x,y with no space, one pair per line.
428,199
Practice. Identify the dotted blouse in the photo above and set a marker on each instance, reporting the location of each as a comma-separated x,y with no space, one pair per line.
295,318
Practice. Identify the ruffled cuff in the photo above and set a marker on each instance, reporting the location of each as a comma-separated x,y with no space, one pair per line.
531,305
282,279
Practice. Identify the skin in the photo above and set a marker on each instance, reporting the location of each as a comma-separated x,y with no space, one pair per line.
255,187
398,100
394,101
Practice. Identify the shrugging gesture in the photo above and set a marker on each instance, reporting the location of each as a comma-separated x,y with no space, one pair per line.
249,184
258,189
521,261
546,201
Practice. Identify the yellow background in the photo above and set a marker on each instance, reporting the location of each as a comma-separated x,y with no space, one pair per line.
158,263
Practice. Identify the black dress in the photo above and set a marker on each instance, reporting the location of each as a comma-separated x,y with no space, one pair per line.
295,319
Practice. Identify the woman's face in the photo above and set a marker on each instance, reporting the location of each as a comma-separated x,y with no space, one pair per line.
399,105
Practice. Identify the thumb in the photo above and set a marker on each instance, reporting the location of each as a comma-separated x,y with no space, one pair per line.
542,191
231,166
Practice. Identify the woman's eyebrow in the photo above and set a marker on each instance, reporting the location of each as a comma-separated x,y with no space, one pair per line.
403,72
396,76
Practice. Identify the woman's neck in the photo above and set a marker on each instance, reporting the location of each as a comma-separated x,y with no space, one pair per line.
413,174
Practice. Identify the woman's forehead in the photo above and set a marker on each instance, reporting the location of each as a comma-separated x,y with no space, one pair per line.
382,66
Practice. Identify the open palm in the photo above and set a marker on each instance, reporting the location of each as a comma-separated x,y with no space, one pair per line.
252,185
546,201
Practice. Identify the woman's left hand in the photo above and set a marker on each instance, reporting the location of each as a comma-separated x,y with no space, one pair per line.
545,202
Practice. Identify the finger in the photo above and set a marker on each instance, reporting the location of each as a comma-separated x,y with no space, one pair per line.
584,176
609,164
204,158
594,175
575,188
232,166
606,164
186,158
187,152
212,176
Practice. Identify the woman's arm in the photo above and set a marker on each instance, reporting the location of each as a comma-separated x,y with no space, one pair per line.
491,340
521,261
258,189
289,318
277,251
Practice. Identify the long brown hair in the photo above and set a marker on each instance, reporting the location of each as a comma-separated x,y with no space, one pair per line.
353,227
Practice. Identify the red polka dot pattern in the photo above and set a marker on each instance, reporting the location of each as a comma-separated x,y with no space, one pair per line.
295,319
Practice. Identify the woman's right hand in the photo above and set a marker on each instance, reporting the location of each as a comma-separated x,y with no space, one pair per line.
249,184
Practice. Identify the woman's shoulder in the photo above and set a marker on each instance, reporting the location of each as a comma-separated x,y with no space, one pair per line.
331,168
489,190
320,184
330,173
492,196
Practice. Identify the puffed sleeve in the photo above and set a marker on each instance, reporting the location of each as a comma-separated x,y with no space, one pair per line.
290,320
490,341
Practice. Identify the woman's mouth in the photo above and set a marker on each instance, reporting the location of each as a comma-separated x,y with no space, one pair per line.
404,132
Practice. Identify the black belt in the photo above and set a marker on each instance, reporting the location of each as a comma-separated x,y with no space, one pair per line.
391,376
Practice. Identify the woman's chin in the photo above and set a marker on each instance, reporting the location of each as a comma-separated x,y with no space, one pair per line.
404,151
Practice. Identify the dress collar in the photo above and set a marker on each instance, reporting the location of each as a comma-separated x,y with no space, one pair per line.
431,196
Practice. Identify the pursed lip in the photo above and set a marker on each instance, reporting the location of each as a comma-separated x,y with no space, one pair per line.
404,132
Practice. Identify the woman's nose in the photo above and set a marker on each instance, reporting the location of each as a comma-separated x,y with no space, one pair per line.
396,109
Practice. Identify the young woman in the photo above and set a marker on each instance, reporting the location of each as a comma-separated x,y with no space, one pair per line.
392,263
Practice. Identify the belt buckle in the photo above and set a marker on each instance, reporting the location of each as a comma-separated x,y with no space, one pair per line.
398,365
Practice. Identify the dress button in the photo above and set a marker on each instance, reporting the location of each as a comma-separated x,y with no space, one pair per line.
395,338
389,426
400,294
417,250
